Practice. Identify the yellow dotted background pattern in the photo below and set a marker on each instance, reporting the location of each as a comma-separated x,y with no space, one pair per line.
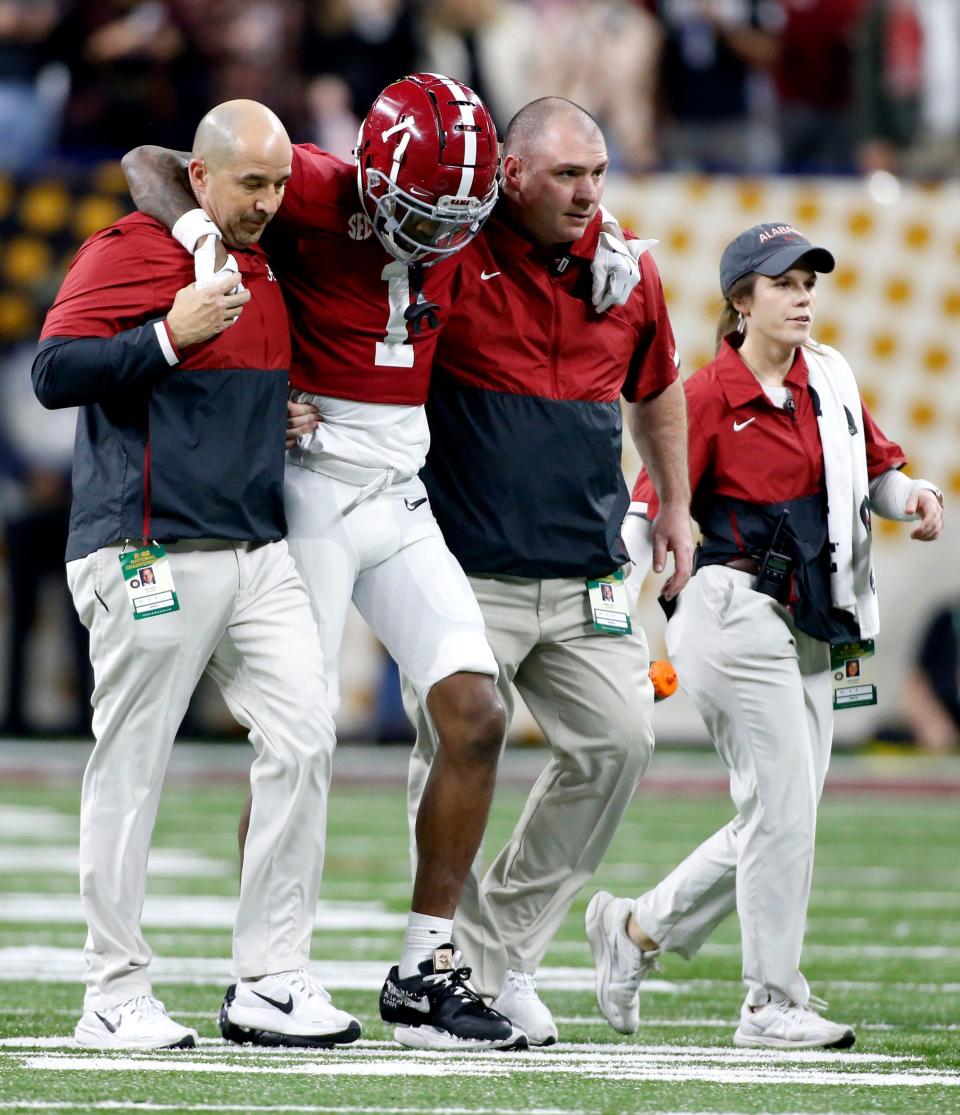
892,306
42,223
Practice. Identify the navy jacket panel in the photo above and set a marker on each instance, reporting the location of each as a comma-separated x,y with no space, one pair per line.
206,485
549,497
735,527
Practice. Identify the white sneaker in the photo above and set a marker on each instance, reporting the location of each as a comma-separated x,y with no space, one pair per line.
288,1008
140,1023
785,1025
519,1001
621,965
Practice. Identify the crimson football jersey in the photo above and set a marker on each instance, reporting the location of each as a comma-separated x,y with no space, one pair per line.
362,329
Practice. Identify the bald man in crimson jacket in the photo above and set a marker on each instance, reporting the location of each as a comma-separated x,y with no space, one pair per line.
177,564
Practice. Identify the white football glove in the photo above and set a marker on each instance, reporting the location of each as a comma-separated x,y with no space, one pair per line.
615,267
200,235
193,226
204,262
637,534
205,265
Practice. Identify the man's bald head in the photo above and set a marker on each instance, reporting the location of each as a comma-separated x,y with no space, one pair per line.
241,162
528,130
237,129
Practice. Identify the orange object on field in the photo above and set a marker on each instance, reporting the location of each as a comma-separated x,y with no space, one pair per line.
664,678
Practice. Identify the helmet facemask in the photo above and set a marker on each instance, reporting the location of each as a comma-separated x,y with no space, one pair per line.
416,230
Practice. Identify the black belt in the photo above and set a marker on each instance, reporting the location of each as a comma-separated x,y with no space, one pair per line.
744,564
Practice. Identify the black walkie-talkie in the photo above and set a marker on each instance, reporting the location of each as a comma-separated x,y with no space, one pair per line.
776,567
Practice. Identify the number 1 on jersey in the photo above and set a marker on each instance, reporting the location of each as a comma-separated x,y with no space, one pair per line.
395,350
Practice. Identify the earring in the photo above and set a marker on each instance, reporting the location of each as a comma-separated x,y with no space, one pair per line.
741,323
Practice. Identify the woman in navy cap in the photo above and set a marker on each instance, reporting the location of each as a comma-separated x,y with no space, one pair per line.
786,465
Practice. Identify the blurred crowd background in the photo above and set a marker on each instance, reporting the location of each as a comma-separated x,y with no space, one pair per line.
794,86
853,106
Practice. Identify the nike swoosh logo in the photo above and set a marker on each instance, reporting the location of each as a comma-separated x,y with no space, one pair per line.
286,1007
106,1021
413,504
492,275
418,1003
738,426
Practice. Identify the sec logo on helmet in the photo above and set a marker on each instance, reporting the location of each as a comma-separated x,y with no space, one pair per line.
359,226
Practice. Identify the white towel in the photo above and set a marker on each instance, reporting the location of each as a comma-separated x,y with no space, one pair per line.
853,582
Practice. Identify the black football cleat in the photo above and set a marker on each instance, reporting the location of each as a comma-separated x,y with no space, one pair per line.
438,1009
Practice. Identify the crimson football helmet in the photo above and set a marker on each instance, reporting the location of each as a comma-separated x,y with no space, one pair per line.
427,159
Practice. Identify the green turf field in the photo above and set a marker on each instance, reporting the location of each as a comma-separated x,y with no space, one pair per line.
883,947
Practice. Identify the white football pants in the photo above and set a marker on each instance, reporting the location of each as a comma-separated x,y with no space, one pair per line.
379,545
244,616
764,692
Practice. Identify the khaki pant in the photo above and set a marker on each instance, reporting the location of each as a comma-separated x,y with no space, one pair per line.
591,696
764,692
244,615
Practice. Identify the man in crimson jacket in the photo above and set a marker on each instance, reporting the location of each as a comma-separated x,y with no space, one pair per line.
177,563
524,479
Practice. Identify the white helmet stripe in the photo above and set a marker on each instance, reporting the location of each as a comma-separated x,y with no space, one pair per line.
398,155
467,117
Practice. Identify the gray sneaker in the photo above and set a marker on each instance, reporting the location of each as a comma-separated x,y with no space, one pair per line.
785,1025
621,965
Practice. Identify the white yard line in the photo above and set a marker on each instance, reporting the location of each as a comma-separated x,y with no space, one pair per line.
584,1052
190,911
870,952
615,1067
810,950
46,859
885,876
19,822
218,911
904,897
646,1022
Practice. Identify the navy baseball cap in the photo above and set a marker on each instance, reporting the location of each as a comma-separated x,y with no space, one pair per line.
769,250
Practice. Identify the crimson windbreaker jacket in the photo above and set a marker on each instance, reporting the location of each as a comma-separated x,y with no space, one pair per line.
169,445
524,468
